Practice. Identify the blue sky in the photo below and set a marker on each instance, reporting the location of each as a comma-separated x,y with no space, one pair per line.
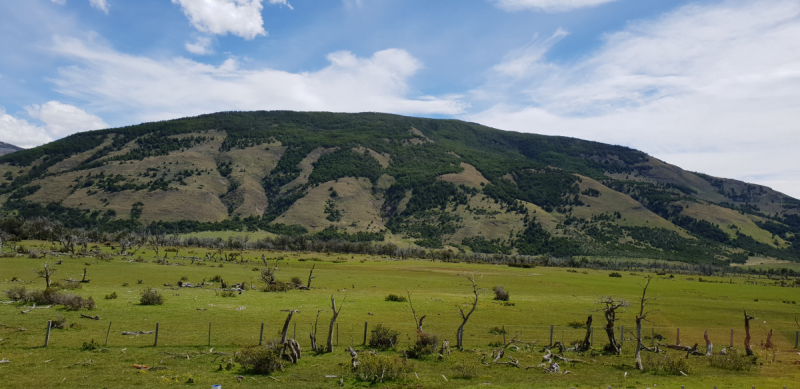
711,86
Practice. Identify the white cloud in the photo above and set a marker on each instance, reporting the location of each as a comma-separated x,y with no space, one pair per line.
281,2
547,5
238,17
99,4
201,46
683,87
60,2
148,89
63,119
59,121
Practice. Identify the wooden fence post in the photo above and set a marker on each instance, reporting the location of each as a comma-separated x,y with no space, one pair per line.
261,337
796,339
678,337
366,324
108,333
47,337
155,344
209,334
731,337
504,334
551,335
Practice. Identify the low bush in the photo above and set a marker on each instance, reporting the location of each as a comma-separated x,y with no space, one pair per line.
151,297
216,278
50,297
260,359
500,293
425,345
296,281
90,346
733,360
373,368
277,286
59,323
497,331
465,370
226,293
75,302
396,298
72,285
615,274
111,296
383,337
666,364
576,324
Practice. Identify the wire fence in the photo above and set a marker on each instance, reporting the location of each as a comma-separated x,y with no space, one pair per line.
220,333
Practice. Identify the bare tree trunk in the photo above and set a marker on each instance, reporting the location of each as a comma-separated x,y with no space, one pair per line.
313,333
333,322
747,318
587,340
709,346
641,317
465,317
286,326
610,313
309,275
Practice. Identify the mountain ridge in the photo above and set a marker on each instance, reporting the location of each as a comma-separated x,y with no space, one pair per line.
436,183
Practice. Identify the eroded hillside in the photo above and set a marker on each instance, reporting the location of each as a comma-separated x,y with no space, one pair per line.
432,183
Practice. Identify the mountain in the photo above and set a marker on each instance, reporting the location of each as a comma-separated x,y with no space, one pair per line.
435,183
8,148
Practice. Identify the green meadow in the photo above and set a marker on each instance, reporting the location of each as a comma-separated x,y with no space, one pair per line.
192,321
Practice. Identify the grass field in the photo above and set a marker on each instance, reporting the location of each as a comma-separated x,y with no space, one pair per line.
541,296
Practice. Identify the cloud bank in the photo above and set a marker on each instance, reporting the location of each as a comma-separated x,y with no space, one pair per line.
712,88
59,121
547,5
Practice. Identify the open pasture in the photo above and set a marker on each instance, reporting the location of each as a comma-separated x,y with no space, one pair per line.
193,320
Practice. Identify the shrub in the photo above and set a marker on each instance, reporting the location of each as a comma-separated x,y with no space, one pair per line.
615,274
17,293
733,360
425,345
74,302
296,281
216,278
500,293
395,298
375,367
139,282
59,323
383,337
72,285
111,296
226,293
466,370
125,284
277,286
151,297
576,324
260,359
90,346
666,364
497,331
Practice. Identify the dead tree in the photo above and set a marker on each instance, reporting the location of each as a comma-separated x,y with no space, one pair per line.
286,325
747,318
333,321
417,323
709,345
313,333
642,316
84,280
47,273
465,317
587,340
610,312
155,241
310,278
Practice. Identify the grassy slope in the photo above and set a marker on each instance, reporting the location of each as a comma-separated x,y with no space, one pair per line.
543,296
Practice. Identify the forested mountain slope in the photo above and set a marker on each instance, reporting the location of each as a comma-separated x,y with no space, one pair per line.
370,176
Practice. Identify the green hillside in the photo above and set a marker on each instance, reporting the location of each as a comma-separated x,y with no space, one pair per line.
438,184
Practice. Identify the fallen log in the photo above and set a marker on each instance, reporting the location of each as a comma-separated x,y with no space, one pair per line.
137,333
90,317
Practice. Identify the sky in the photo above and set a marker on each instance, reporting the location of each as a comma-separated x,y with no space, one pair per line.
710,86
